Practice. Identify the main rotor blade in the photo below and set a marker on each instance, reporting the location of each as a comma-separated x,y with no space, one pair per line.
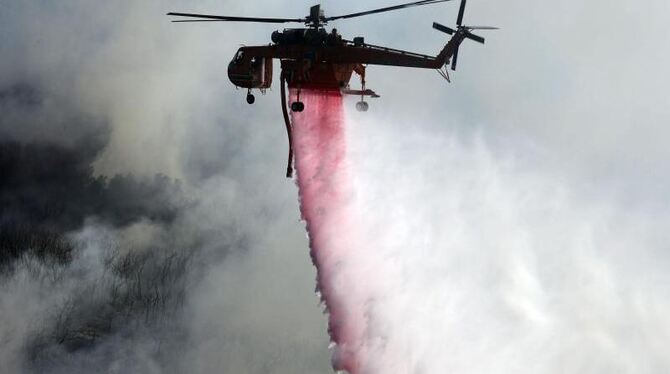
443,28
461,12
387,9
196,20
235,19
474,37
454,60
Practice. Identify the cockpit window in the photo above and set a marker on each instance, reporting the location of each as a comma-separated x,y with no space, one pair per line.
238,57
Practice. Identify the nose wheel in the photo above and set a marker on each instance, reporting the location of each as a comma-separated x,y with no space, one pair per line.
362,106
251,98
297,106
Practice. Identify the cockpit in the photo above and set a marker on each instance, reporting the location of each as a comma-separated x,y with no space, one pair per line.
249,71
239,57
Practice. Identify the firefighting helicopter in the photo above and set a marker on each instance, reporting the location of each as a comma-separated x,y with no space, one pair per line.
312,58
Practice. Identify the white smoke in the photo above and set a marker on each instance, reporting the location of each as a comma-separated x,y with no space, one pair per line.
495,265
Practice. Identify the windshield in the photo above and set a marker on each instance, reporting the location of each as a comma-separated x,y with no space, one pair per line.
238,57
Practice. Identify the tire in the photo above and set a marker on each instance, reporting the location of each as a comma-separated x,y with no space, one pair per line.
297,106
251,99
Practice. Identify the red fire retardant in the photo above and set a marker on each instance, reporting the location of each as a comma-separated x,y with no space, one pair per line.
325,195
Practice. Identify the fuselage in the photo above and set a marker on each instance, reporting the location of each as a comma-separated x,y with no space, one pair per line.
304,61
314,58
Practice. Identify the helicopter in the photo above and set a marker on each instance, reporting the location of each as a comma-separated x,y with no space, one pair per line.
314,59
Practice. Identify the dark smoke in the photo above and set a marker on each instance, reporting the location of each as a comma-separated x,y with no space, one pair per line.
63,234
20,95
53,186
48,188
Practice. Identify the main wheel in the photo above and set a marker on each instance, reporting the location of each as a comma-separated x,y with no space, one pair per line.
298,106
362,106
251,99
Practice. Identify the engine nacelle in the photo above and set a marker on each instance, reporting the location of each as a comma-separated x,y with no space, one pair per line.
288,36
250,71
313,37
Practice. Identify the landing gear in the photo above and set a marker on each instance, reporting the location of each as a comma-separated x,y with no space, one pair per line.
297,106
250,98
362,106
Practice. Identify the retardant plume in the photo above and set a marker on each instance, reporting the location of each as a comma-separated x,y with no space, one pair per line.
325,193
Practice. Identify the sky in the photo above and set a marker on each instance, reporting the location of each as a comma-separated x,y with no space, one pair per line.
519,213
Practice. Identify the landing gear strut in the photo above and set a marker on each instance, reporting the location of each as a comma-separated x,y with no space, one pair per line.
362,106
298,106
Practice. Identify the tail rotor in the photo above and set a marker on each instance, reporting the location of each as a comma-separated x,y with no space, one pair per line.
464,31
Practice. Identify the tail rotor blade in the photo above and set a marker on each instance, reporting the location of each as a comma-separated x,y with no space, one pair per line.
443,28
474,37
461,12
454,60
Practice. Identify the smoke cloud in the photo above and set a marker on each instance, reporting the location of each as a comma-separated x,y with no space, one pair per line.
135,237
506,269
516,220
